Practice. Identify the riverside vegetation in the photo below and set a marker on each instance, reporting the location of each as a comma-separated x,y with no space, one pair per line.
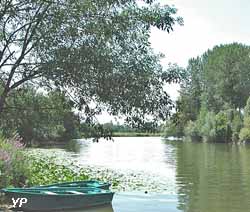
58,58
214,102
22,168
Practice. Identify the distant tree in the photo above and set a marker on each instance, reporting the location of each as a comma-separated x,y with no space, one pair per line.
214,92
226,75
189,103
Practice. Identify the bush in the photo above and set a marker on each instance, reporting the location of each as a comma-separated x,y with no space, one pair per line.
237,124
223,128
44,117
208,129
245,134
13,165
245,131
192,130
172,129
247,108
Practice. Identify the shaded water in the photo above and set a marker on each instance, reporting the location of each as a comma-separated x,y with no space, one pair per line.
179,176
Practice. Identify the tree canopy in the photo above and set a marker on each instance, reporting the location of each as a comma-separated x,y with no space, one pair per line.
39,117
214,93
97,51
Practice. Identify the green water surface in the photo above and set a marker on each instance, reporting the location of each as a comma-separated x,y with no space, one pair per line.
178,176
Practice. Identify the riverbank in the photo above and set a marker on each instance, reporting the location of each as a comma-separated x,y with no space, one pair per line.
136,134
63,143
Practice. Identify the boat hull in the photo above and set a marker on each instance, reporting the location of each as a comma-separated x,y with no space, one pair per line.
41,202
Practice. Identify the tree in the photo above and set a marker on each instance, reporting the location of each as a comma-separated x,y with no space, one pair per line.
189,103
191,89
226,76
214,92
98,51
245,131
37,116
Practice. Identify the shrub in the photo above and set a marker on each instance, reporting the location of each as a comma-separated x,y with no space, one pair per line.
237,124
13,165
192,131
208,129
247,108
172,129
245,131
223,128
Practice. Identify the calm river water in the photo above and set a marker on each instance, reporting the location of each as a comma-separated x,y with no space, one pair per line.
177,176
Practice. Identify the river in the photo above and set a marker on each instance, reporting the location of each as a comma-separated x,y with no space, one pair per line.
167,176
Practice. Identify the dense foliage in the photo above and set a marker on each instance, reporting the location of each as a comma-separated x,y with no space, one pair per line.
38,116
213,96
94,51
245,131
149,127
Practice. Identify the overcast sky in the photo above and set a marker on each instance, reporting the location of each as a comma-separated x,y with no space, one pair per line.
206,23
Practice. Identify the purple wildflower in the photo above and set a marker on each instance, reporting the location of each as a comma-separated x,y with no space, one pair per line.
16,141
4,156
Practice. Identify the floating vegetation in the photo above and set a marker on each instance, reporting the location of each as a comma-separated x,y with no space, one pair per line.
50,166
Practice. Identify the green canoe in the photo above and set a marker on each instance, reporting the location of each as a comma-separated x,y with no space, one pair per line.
54,199
85,183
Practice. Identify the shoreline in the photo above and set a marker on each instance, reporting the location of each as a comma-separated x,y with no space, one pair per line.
125,134
57,143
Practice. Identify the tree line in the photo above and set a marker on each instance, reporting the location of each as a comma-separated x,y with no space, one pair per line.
214,100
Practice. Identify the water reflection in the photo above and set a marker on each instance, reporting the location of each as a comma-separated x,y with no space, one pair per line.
146,154
73,146
205,177
213,177
106,208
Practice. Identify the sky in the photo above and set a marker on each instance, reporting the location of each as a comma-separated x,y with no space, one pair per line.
206,23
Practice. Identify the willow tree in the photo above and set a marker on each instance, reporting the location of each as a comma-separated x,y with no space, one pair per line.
98,51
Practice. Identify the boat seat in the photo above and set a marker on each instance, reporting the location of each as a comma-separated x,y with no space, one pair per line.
75,192
50,193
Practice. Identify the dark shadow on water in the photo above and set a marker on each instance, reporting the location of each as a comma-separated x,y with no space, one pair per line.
69,146
73,146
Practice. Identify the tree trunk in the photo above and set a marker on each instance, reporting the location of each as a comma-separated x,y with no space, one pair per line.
2,100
